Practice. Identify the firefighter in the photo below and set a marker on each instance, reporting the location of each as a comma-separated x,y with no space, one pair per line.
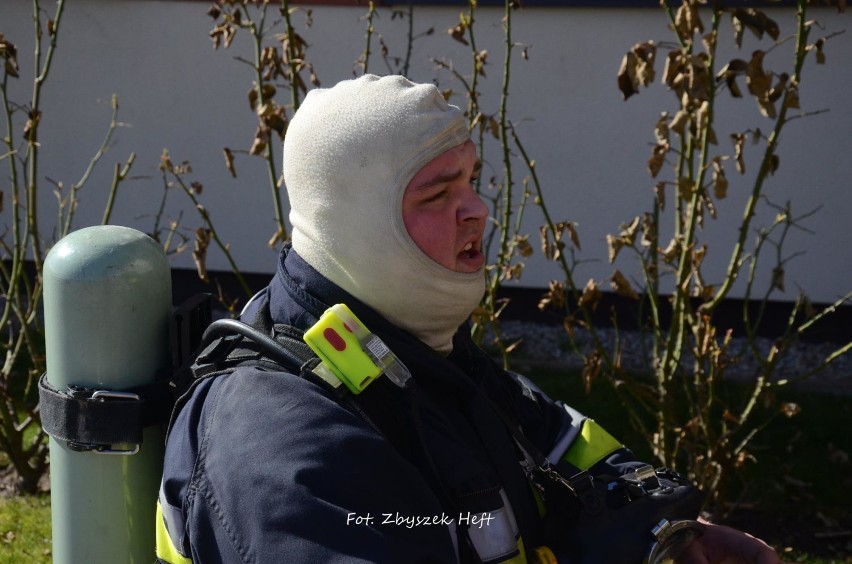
272,464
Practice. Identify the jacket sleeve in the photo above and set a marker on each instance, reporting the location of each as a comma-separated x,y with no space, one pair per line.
564,435
284,473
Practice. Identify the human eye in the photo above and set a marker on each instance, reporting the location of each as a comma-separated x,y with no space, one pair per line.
476,174
435,195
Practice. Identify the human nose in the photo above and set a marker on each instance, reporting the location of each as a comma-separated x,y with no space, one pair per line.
472,208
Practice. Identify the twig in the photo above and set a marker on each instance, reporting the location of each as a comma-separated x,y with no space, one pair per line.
118,177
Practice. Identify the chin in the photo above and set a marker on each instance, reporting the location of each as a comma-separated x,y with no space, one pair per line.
470,267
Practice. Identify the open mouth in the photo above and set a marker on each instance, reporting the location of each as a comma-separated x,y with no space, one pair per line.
471,254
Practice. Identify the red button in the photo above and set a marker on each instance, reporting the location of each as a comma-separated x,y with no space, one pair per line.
334,339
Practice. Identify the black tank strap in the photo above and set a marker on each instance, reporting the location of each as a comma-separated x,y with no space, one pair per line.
98,418
93,419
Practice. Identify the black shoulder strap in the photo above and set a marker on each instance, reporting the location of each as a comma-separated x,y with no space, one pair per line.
231,344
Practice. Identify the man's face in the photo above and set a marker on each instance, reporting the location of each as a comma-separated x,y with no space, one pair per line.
443,213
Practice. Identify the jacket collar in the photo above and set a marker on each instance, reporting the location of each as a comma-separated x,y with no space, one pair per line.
298,296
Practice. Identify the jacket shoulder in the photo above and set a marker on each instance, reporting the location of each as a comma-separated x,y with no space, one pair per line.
279,467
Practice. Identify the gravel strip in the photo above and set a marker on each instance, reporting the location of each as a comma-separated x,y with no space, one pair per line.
549,344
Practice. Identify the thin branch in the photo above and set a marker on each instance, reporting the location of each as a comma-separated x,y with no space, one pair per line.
119,175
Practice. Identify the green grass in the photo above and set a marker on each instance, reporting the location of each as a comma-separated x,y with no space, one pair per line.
25,529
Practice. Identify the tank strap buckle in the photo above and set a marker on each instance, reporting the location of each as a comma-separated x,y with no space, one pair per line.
94,420
105,395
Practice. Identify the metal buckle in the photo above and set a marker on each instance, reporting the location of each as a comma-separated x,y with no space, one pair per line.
103,395
552,474
645,477
671,539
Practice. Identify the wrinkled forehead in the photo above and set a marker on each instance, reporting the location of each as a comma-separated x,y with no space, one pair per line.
451,165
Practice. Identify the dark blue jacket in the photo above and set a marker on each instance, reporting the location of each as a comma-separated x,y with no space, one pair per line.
266,466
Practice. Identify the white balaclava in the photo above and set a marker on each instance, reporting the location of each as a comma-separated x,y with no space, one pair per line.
349,153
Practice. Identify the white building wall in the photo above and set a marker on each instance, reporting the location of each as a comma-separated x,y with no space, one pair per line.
590,147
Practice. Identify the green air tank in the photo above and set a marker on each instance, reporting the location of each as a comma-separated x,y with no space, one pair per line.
107,302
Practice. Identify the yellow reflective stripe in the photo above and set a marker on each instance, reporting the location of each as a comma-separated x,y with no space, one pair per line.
165,547
591,445
539,503
542,555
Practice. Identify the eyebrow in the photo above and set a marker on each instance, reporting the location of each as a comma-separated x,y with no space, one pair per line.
448,177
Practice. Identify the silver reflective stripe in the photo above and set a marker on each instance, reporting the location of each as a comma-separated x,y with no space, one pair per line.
175,523
564,442
494,534
454,536
251,301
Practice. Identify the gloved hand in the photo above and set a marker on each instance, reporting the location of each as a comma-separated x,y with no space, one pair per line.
719,544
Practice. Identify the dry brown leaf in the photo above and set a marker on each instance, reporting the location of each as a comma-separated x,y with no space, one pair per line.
571,227
645,54
679,122
739,143
658,159
628,232
614,245
687,21
670,252
627,82
522,245
772,164
229,162
457,33
637,68
820,54
756,21
621,286
685,188
592,367
673,67
661,130
649,230
199,252
9,53
720,183
591,296
555,296
792,100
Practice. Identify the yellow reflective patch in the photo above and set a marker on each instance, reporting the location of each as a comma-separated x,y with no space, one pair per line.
542,555
539,503
166,550
591,445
